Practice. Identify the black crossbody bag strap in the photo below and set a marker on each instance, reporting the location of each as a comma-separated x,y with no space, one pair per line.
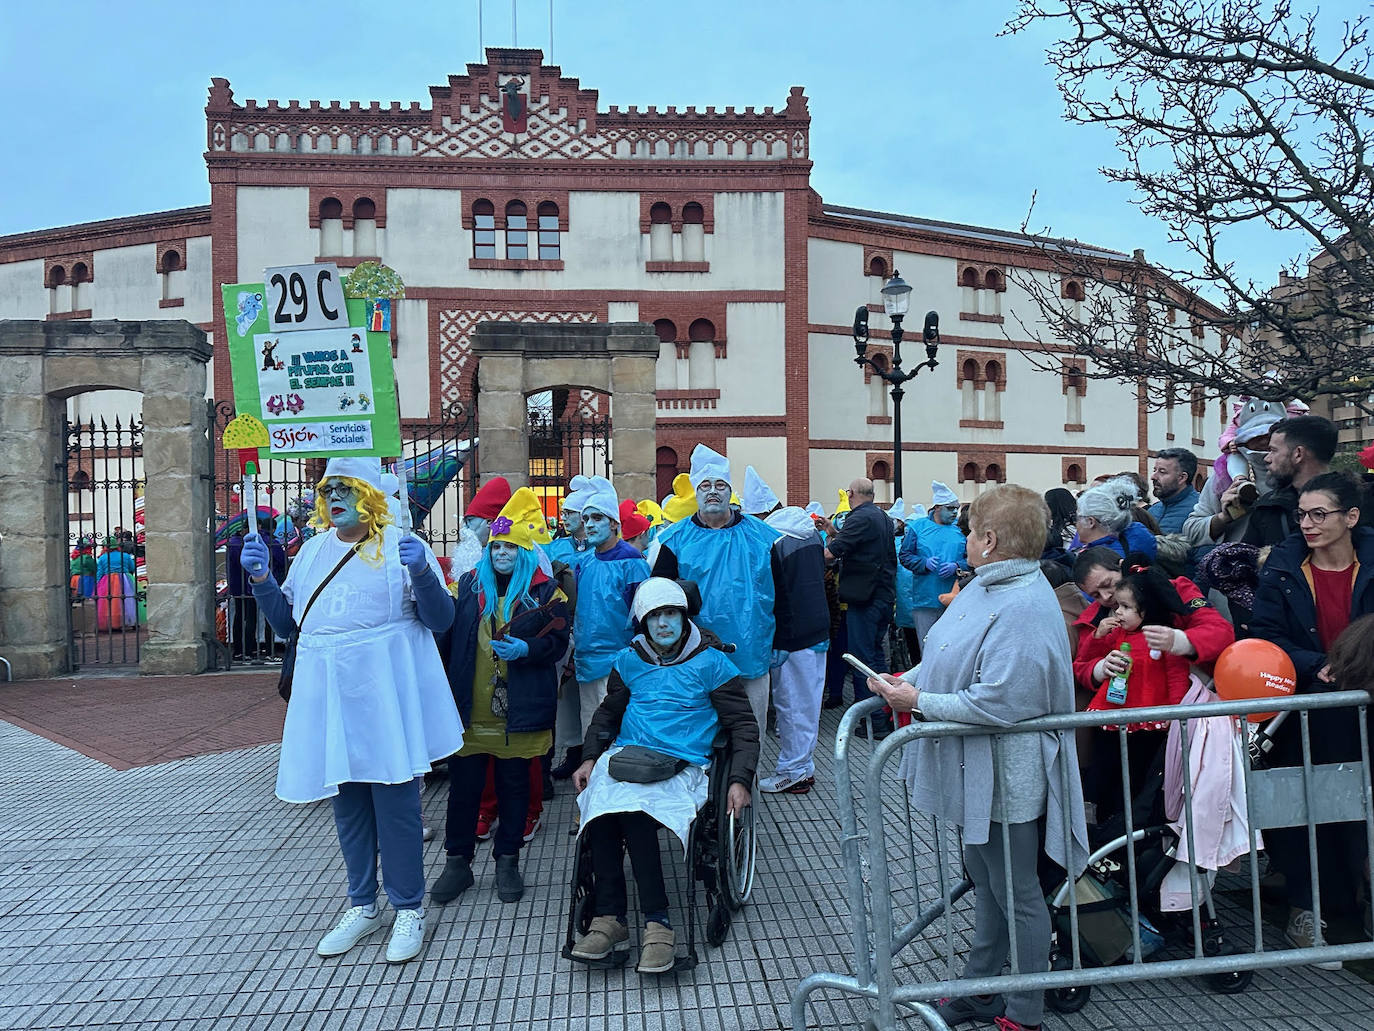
342,562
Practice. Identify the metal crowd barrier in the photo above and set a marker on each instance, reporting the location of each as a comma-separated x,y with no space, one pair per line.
1300,796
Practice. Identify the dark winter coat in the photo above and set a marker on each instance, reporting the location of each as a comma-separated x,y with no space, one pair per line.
800,612
531,682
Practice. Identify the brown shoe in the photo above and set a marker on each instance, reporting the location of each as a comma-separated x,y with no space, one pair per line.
656,952
605,935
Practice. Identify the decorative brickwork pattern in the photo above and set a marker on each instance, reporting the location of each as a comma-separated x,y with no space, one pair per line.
456,367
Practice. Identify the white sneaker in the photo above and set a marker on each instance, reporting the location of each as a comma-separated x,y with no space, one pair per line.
356,925
407,936
1301,933
427,834
780,783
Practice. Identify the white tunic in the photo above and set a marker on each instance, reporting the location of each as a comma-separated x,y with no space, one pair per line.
369,700
673,802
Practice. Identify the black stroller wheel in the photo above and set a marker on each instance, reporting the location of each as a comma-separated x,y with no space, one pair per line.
1068,1000
1231,983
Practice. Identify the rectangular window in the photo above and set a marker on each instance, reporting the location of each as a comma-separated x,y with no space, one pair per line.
548,238
484,236
517,237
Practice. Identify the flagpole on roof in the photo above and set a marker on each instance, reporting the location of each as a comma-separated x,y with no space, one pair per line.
481,53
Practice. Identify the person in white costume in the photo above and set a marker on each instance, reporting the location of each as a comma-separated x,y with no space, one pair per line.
370,708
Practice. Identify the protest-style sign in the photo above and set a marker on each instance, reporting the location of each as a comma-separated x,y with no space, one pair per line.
306,363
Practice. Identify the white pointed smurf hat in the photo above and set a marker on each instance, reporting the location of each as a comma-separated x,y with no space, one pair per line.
942,495
708,465
369,470
758,498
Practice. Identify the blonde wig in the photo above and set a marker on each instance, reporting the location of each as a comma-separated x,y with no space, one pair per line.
373,514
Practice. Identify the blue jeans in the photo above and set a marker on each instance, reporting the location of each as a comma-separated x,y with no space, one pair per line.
369,816
867,626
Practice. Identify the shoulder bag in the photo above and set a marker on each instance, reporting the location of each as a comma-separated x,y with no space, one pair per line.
288,659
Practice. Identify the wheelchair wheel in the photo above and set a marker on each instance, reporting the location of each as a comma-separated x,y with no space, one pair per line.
717,925
582,914
1066,1000
738,853
1232,982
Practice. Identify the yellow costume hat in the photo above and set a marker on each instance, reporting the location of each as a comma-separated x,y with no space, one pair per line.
844,502
683,502
521,521
650,510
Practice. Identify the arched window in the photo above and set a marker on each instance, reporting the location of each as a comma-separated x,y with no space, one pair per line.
364,227
550,246
970,473
666,330
881,470
969,278
660,214
1074,473
331,226
993,473
57,276
665,470
970,370
1073,290
363,207
701,355
877,267
331,207
702,329
994,372
993,280
693,232
483,229
80,273
692,214
171,261
517,231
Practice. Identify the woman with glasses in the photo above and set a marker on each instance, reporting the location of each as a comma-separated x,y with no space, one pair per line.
1313,585
510,628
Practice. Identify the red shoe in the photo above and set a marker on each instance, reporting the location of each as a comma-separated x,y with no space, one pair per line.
1007,1024
532,824
484,826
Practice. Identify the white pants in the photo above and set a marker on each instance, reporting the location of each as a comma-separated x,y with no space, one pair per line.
587,699
797,688
757,690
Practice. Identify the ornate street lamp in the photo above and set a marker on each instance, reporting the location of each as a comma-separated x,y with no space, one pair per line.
896,301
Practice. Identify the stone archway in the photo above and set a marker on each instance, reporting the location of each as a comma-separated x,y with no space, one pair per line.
517,359
41,365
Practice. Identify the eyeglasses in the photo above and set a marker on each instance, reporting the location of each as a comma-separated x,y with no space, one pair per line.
337,490
1317,515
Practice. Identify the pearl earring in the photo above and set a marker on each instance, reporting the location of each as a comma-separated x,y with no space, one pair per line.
987,552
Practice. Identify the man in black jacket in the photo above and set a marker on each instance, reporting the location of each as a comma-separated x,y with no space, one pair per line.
800,640
1300,447
868,583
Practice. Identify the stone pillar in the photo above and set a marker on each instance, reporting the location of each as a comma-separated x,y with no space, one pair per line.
177,514
41,365
34,610
519,359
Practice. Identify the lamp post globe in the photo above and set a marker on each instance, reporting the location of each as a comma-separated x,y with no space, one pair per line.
896,296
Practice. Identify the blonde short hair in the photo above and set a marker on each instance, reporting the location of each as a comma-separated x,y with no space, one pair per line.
1018,515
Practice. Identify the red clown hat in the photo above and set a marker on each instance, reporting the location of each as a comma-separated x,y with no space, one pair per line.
489,499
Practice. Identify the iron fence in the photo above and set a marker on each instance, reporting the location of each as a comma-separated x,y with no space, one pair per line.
103,481
902,883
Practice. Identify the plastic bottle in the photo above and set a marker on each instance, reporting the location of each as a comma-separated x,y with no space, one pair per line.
1116,688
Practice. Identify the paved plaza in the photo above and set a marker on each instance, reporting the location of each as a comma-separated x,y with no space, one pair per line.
182,895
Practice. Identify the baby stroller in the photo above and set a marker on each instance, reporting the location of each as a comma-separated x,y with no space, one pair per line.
1106,922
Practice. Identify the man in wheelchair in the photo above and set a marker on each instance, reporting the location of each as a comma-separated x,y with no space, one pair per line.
644,765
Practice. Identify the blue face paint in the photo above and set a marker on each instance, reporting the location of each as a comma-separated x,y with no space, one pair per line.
599,529
481,527
503,555
713,497
342,501
572,521
664,629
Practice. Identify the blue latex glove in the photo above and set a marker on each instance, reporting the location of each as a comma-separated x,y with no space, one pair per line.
255,558
779,657
509,649
932,564
949,568
413,555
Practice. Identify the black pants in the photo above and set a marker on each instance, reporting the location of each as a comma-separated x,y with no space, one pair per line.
836,669
1103,786
244,632
467,776
610,836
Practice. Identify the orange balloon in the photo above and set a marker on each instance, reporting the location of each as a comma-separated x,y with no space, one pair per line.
1255,669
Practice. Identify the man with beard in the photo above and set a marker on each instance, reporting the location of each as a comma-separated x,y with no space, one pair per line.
1222,514
729,556
1300,448
1172,481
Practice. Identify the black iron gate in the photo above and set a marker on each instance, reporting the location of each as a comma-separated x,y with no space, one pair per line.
440,463
108,583
570,435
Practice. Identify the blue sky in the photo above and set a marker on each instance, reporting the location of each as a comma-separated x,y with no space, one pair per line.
917,106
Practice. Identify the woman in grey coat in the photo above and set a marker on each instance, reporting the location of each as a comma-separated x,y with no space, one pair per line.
999,656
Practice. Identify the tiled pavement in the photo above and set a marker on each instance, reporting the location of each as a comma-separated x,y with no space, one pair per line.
184,896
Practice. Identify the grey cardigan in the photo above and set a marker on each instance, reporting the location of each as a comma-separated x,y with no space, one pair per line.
996,657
